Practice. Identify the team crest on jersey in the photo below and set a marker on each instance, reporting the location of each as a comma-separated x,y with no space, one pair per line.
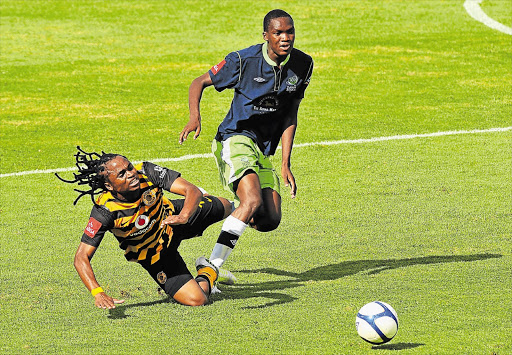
149,197
161,277
141,221
268,103
291,83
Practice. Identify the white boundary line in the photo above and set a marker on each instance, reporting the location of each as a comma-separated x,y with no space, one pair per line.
474,10
344,141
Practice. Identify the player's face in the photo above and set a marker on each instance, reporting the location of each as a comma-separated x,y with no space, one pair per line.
280,36
121,176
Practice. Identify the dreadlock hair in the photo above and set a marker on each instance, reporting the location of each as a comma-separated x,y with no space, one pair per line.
90,172
277,13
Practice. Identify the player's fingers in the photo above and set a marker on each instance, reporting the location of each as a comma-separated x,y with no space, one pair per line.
293,190
183,135
198,131
116,301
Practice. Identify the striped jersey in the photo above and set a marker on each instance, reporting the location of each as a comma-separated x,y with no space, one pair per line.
136,225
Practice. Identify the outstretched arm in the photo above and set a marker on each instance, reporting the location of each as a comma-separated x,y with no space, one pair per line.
195,93
290,126
83,257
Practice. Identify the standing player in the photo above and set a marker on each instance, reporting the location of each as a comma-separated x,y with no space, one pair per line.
269,81
148,226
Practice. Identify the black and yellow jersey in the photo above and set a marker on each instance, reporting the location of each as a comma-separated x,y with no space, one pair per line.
136,225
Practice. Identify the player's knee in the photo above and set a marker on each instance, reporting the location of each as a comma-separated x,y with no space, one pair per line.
268,224
195,300
252,204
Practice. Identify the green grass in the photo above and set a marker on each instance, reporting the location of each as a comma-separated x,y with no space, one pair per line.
422,224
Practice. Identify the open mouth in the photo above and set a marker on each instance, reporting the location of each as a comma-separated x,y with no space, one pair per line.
134,182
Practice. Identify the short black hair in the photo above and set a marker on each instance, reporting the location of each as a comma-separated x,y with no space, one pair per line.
277,13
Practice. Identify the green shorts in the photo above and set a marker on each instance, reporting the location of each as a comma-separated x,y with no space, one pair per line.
238,154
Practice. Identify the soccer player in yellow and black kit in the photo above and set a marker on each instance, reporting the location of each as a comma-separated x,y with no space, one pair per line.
148,225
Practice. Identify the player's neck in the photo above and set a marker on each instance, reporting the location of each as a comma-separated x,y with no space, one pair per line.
131,196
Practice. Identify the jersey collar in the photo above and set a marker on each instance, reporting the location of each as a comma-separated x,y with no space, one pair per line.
264,49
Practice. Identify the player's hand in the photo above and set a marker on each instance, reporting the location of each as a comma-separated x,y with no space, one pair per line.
289,180
102,300
192,125
174,220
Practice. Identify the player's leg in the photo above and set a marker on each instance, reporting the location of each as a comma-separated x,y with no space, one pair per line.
196,292
171,274
191,294
268,216
245,171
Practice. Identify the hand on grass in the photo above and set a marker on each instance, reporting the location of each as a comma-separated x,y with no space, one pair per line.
102,300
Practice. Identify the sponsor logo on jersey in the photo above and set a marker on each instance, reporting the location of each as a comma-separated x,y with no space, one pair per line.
161,277
149,197
215,69
142,231
141,221
268,103
92,227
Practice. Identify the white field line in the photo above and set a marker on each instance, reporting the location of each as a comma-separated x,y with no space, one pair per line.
474,10
344,141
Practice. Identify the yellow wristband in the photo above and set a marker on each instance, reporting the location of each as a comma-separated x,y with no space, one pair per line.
96,290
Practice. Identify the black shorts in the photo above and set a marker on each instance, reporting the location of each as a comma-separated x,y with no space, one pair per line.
171,272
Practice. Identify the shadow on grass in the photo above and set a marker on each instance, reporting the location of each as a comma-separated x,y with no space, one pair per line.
398,346
119,311
269,289
329,272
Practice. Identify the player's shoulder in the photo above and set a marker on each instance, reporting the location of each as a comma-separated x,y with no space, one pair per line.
102,213
299,55
250,52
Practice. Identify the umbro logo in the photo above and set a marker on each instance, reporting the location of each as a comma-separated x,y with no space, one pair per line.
259,80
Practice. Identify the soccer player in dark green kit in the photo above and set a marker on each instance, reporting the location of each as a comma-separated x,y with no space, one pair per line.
269,81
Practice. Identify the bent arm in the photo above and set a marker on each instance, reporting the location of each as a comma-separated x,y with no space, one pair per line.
193,197
195,92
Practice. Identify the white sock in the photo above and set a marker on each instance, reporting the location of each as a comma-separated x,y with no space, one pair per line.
232,229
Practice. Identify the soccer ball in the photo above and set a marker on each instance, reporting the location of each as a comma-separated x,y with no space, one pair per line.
377,322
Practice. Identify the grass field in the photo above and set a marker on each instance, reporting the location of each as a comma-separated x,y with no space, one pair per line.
420,221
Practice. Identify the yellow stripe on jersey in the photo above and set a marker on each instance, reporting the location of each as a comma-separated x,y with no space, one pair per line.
137,224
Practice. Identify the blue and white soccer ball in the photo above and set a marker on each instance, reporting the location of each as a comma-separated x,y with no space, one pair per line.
377,322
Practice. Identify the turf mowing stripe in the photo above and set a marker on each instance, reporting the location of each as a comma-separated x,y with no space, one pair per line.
343,141
474,10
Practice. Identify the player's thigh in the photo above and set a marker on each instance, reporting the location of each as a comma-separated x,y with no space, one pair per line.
170,272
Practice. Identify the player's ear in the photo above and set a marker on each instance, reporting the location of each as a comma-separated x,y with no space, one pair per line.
265,36
108,186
